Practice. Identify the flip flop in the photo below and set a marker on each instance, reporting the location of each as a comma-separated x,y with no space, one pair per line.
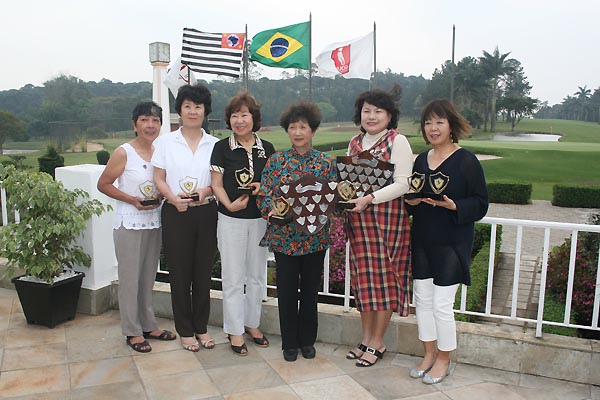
165,335
141,347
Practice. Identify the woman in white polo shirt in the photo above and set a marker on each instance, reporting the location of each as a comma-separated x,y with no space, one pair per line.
181,163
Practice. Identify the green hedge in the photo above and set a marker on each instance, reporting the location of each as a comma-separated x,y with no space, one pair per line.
332,146
576,196
509,193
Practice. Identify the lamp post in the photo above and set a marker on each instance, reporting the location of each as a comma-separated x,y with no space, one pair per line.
160,55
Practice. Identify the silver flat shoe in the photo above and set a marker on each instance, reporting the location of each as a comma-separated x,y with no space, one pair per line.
431,380
418,373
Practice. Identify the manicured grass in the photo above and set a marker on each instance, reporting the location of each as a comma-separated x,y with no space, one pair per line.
573,160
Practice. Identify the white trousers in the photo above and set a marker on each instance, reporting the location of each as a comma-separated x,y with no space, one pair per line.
435,317
243,263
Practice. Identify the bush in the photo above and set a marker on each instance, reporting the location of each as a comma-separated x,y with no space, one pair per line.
509,193
576,196
337,254
102,156
555,311
584,282
49,161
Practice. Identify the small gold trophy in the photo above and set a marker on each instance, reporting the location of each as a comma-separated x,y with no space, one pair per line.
148,190
188,186
347,191
439,183
244,178
415,183
282,211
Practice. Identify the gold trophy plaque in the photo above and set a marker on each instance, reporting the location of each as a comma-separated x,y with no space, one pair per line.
282,211
347,191
148,190
416,182
244,178
188,186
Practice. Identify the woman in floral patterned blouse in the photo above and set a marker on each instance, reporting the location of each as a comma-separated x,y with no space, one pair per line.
299,255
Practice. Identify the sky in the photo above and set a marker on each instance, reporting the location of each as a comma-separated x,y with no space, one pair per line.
555,41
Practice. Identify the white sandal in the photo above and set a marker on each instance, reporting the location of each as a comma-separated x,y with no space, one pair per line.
194,347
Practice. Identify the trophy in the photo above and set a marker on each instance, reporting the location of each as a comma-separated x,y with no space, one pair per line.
188,186
311,201
244,178
150,193
282,211
415,183
367,173
438,183
347,191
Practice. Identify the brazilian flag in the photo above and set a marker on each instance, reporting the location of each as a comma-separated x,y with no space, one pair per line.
287,47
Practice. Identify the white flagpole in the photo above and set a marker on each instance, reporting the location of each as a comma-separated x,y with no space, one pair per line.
374,55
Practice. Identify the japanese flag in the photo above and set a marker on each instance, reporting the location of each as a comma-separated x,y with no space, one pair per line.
350,59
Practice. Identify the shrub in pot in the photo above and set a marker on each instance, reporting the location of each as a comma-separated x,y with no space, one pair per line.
43,244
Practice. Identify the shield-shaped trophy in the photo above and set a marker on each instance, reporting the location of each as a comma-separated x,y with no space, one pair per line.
347,191
438,183
148,190
244,178
311,200
365,172
282,215
188,186
416,182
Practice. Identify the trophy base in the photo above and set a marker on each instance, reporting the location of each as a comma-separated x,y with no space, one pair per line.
193,197
150,202
246,190
277,220
344,205
433,196
413,195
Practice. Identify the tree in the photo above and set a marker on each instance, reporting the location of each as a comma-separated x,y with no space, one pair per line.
10,127
583,94
495,66
517,107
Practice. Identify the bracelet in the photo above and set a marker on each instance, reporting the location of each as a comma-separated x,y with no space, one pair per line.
372,197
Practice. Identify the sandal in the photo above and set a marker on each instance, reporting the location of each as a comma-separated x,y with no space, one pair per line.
353,356
362,362
239,350
193,347
165,335
261,341
140,347
206,343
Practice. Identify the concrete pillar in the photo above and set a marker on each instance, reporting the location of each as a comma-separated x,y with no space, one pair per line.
159,59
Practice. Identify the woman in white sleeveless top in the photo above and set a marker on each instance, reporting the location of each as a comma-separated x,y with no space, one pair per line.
137,231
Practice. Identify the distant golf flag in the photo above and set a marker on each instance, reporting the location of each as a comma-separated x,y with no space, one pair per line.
213,53
350,59
178,75
285,47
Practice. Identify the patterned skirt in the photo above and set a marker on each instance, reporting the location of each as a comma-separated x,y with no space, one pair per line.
380,258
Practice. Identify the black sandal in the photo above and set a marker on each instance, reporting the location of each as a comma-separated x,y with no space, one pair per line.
141,347
352,355
366,363
239,350
261,341
165,335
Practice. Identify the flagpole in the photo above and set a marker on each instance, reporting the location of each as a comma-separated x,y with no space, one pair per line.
374,56
452,71
310,56
245,62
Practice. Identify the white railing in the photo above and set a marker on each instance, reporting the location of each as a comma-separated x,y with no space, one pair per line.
4,209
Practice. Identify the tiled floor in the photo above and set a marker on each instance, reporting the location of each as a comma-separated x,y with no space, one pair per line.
87,359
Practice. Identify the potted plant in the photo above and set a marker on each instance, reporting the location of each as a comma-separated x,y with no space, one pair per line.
43,245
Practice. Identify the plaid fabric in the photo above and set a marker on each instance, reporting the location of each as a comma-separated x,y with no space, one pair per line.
379,246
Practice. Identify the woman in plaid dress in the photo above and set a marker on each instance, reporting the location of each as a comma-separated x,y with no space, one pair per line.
378,228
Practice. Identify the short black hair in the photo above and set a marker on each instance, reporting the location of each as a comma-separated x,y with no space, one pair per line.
198,93
146,108
442,108
301,111
381,99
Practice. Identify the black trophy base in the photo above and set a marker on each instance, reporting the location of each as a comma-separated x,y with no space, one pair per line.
246,190
422,195
150,202
344,205
278,220
193,197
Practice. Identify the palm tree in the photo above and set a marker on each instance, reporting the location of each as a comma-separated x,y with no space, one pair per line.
583,94
495,66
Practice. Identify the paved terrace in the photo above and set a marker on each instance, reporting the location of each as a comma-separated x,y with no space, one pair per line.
88,359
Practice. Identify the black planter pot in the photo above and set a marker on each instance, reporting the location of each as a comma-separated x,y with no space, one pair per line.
49,304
